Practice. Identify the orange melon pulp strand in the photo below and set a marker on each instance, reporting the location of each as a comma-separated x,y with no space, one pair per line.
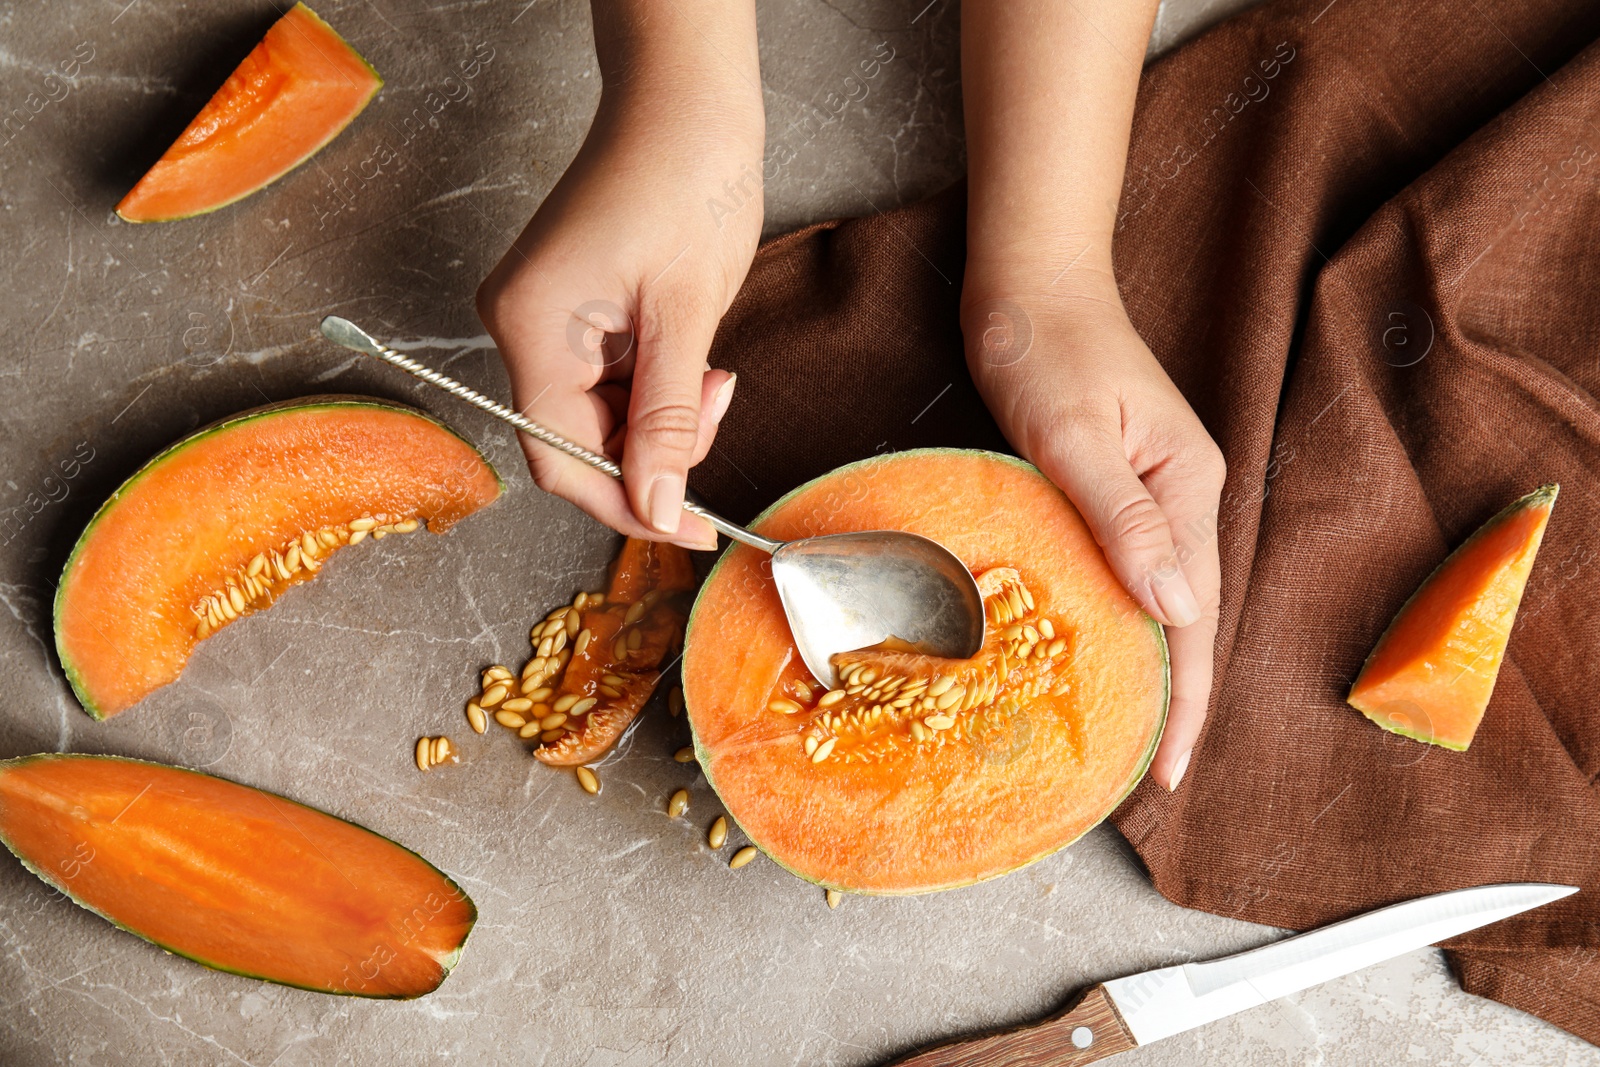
649,571
198,514
235,878
1433,671
290,96
920,817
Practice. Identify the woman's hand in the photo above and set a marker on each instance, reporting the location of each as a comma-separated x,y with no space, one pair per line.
605,307
1048,97
1080,396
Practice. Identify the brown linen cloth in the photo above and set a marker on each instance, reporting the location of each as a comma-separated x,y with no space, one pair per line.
1364,239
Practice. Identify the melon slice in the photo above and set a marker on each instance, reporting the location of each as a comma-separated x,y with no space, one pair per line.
1434,668
221,523
292,94
924,774
235,878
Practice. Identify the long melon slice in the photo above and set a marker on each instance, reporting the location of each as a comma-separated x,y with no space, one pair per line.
290,96
235,878
220,524
1434,668
921,774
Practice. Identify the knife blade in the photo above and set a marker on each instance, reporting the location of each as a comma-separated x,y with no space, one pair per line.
1127,1012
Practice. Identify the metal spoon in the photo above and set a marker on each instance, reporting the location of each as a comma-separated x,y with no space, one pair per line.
841,592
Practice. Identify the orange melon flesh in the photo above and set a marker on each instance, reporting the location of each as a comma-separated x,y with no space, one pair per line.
235,878
657,573
195,517
1012,780
1431,675
290,96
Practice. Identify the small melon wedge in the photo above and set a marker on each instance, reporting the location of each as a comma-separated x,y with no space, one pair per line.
290,96
1432,672
235,878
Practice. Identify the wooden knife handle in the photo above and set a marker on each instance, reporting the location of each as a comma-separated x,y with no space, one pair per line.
1089,1029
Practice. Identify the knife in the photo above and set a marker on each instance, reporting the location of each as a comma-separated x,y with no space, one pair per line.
1123,1014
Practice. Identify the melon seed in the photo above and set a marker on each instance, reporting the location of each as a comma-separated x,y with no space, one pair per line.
528,730
939,722
587,779
742,857
635,613
1047,628
441,750
619,649
565,702
834,897
950,696
554,719
678,804
517,704
675,700
609,691
832,696
583,705
1058,646
552,735
494,694
475,717
684,755
408,526
811,745
718,836
918,732
635,639
941,685
424,752
783,707
361,525
510,719
358,537
824,750
581,645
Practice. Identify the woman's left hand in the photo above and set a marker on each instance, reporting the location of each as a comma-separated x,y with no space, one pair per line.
1079,394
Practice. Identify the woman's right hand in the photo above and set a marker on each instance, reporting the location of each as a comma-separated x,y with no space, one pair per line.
605,306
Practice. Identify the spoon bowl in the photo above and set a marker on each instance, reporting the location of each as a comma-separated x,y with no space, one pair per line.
840,592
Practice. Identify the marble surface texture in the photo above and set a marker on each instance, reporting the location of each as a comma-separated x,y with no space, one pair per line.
610,935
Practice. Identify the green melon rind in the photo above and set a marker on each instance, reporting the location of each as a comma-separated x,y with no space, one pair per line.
703,756
324,401
297,164
1544,496
446,965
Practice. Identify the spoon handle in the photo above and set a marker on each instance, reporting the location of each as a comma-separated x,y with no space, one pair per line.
343,332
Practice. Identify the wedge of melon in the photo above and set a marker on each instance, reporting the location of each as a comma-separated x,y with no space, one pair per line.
235,878
924,774
221,523
292,94
1434,668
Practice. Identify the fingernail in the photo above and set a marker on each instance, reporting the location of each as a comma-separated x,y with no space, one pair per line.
720,402
1178,769
1176,599
710,546
666,502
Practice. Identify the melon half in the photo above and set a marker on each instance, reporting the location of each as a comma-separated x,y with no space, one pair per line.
923,774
